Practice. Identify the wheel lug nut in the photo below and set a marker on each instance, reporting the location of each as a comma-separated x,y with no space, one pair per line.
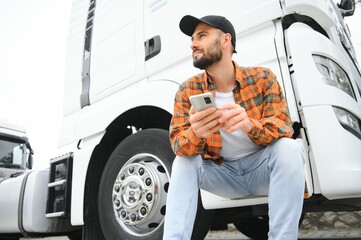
133,217
149,197
131,170
148,182
141,171
122,177
143,211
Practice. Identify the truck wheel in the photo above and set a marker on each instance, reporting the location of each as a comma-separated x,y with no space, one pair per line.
255,227
133,187
76,235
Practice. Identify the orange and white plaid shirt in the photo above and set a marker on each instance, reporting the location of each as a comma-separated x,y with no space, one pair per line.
256,90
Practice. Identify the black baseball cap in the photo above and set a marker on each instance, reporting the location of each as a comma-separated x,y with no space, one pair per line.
189,23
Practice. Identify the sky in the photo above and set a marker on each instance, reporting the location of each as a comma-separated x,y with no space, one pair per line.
33,36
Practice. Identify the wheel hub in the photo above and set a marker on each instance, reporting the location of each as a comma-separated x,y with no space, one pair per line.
134,193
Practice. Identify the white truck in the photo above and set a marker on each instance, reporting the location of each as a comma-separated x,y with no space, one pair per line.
125,61
15,151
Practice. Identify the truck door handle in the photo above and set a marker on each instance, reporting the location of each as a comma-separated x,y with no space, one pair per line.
152,47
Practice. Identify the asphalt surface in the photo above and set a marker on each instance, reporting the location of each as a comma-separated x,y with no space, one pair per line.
233,234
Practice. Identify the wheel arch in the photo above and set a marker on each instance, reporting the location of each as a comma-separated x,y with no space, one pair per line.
290,19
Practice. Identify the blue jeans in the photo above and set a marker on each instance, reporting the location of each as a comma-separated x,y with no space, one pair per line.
276,171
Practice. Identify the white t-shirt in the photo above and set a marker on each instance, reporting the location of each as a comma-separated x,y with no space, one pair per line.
236,144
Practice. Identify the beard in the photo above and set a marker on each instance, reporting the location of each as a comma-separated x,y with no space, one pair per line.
213,55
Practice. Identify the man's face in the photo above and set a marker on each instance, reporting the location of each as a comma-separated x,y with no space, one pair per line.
206,46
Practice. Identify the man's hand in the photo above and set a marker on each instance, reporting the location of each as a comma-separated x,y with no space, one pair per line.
205,122
234,118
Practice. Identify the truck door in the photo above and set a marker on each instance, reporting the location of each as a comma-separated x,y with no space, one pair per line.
162,19
117,47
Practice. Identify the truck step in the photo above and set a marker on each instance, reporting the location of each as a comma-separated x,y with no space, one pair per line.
59,187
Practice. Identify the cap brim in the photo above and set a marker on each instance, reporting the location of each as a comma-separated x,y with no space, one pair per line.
188,24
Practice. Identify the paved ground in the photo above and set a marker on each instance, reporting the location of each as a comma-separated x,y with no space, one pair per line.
233,234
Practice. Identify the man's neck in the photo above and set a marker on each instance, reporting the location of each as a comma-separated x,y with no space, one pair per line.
223,75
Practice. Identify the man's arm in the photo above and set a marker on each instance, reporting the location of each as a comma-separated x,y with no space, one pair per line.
274,122
189,129
271,124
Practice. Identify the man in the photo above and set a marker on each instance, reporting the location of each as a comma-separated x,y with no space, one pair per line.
240,148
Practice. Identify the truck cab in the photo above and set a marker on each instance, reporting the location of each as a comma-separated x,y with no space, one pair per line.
127,88
23,190
15,151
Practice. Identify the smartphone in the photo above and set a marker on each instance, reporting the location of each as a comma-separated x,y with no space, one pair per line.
202,101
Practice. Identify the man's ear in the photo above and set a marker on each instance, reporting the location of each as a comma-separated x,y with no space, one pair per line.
227,40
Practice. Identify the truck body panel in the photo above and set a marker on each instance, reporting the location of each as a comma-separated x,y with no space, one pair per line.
9,204
79,176
34,205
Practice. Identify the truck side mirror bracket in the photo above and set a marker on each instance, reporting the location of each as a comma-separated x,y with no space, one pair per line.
29,163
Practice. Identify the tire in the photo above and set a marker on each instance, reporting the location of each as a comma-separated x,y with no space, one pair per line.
134,185
255,227
76,235
10,236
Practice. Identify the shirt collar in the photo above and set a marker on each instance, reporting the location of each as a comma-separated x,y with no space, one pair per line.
209,84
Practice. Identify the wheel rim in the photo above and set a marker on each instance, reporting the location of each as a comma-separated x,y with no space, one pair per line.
139,194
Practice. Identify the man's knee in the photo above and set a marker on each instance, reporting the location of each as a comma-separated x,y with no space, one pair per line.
185,170
187,164
288,152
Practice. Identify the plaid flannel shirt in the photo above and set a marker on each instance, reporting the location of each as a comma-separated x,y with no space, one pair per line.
256,90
